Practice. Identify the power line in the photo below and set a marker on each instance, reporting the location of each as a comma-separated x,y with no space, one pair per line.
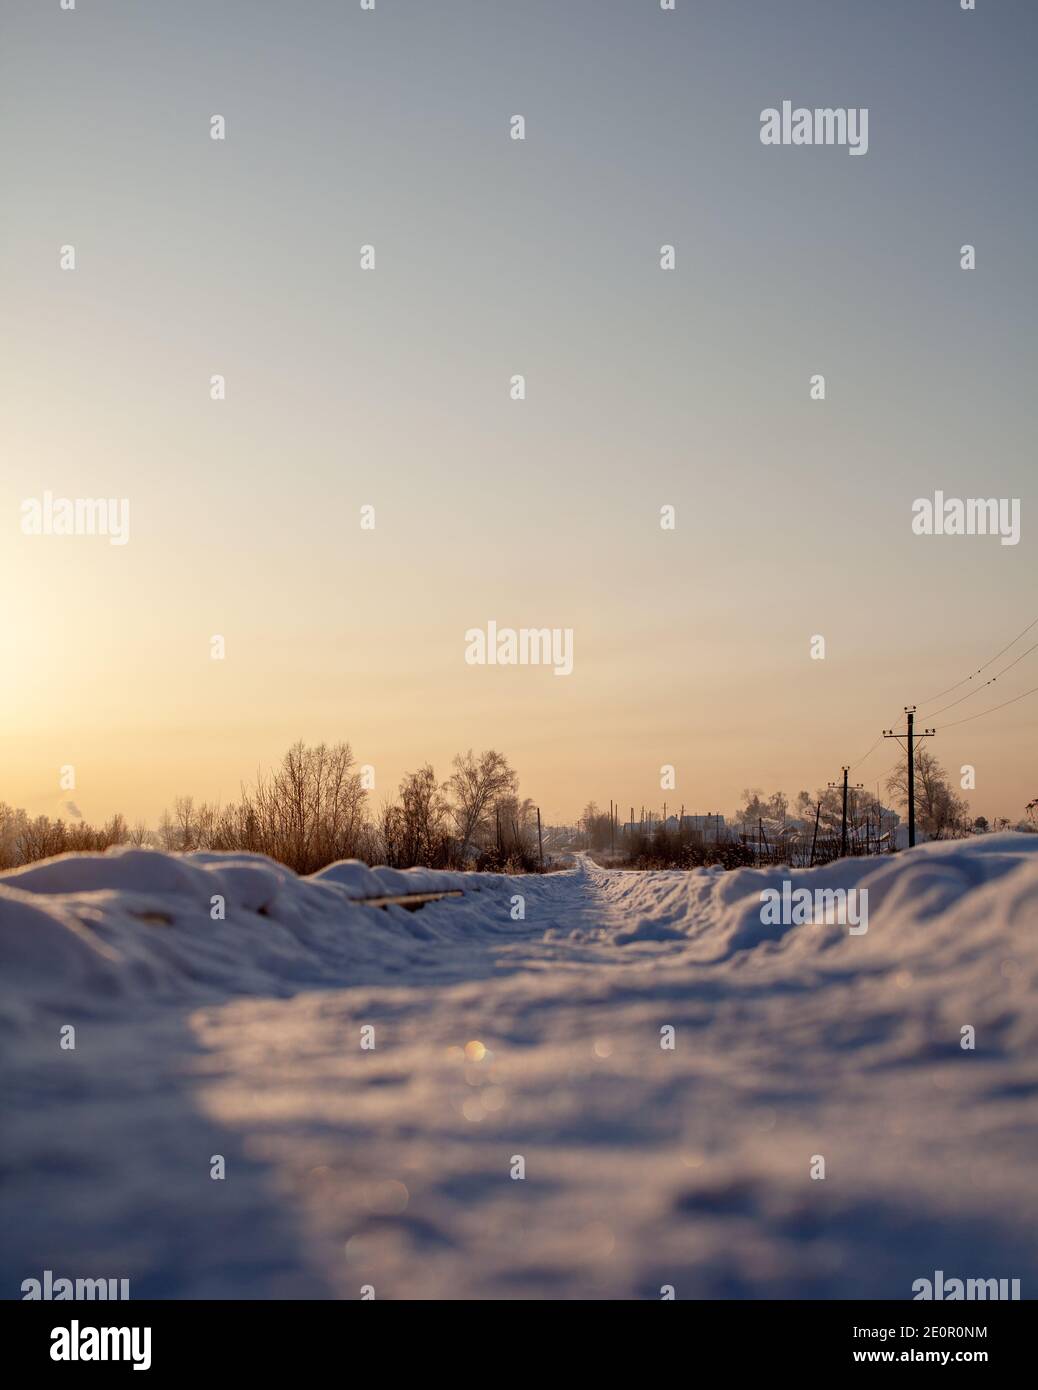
941,693
992,710
970,693
1034,622
868,754
968,719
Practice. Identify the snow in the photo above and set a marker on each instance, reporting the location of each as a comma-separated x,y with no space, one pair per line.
644,1167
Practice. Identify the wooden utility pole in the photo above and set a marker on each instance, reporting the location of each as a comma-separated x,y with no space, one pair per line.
540,842
911,735
814,837
843,818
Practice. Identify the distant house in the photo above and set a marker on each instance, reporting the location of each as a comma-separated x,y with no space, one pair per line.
706,828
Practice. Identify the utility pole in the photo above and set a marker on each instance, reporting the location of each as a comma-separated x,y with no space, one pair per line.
814,838
540,842
911,735
843,818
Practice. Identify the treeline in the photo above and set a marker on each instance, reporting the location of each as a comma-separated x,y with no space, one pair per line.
24,839
314,809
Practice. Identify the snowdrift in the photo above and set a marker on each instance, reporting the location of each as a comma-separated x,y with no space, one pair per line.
94,932
83,929
524,1018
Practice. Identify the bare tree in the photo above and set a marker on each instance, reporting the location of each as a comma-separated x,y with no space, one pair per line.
114,832
475,786
938,810
166,834
139,834
424,810
309,812
389,834
184,810
12,828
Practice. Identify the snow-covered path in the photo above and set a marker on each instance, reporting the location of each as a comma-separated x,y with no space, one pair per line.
541,1038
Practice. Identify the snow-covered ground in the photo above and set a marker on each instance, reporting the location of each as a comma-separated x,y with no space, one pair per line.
538,1038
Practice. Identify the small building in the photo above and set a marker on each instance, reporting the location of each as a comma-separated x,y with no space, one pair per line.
709,828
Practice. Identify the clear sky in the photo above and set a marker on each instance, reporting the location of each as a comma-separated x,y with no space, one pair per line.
390,387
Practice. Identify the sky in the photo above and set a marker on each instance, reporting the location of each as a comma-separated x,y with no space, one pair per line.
390,388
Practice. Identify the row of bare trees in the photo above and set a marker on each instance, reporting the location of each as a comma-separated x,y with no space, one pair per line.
25,839
307,813
476,816
312,809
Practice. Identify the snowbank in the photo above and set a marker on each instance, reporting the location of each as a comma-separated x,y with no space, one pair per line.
92,932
